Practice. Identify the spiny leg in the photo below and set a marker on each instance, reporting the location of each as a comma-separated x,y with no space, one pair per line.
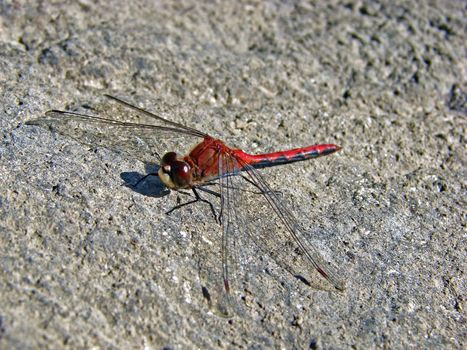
214,193
277,193
207,190
197,199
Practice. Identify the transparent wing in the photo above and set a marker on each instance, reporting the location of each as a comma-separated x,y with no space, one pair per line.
144,141
155,117
251,209
219,261
281,236
252,213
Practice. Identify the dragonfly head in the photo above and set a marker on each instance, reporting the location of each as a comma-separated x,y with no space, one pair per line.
175,173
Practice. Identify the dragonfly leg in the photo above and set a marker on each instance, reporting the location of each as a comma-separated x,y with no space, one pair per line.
197,199
144,178
207,190
277,193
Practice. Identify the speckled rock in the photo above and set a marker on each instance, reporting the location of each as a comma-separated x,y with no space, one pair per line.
88,261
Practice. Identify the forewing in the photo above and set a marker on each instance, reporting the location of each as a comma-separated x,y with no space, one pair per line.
145,142
157,118
219,268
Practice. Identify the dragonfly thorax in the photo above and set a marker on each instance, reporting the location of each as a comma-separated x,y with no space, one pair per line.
175,173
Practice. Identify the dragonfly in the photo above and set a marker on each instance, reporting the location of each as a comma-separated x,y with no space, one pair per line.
211,162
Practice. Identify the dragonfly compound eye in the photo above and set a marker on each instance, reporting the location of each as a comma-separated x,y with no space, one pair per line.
174,173
180,174
168,159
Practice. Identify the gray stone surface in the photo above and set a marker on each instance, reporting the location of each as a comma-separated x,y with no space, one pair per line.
88,263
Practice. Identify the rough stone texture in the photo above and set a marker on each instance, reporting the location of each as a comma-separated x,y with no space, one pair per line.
88,263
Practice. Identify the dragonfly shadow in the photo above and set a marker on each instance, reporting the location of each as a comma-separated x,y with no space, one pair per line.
148,185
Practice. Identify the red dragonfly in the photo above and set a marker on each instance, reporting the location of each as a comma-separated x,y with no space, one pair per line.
212,162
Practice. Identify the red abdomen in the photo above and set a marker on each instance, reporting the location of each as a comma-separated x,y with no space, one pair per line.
205,157
283,157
